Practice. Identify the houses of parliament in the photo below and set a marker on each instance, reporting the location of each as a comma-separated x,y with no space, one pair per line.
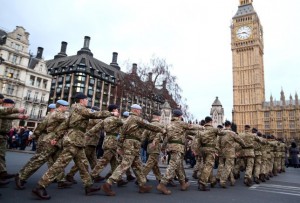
279,118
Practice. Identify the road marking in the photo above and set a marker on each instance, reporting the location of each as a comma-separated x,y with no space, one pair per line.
280,189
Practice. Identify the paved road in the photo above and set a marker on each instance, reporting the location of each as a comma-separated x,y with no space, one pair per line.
283,188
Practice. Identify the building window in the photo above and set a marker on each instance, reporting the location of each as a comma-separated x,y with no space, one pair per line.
14,59
28,94
38,82
292,124
45,83
92,81
10,89
68,78
40,113
267,114
278,114
19,37
43,97
60,79
279,125
267,125
292,114
31,80
11,73
36,94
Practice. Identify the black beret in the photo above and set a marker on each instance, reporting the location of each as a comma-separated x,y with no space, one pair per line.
207,119
156,113
1,96
95,108
80,95
111,107
177,113
202,122
254,130
8,101
247,126
220,126
227,123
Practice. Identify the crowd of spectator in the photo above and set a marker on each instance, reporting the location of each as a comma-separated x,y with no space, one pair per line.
20,138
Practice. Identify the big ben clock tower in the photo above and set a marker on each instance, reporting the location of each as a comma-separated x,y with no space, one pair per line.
247,66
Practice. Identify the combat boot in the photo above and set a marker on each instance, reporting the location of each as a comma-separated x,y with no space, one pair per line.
222,185
41,192
236,176
64,184
106,187
162,188
195,175
256,180
213,183
98,179
262,178
4,175
90,190
20,184
202,187
248,182
4,182
130,178
71,179
267,177
184,185
121,183
145,188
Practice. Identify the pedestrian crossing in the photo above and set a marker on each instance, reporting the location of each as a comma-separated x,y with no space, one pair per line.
279,189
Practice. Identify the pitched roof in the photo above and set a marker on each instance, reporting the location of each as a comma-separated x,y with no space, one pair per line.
244,10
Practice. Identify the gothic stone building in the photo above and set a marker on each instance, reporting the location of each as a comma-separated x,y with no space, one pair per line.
249,106
102,83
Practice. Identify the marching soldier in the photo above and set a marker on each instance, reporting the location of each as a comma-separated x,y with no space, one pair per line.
73,146
129,145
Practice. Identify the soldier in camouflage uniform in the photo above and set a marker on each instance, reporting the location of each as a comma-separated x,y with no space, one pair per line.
283,149
226,147
73,146
258,155
176,143
248,153
273,148
208,140
91,142
7,114
195,148
129,145
112,127
264,160
44,134
153,148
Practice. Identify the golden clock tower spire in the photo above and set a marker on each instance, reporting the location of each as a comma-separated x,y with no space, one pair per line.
247,66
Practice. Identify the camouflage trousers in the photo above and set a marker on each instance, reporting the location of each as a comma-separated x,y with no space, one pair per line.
44,153
175,167
282,164
239,166
249,163
264,165
198,166
206,173
68,154
2,154
225,170
152,164
276,164
128,161
257,166
90,152
109,156
270,164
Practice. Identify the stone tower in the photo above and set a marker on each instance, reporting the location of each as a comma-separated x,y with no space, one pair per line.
247,66
217,113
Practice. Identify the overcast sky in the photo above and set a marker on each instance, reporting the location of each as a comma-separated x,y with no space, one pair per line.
192,35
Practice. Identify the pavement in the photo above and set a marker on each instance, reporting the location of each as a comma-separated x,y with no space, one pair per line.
280,189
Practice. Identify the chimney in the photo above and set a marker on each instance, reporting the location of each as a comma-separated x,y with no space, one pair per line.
63,50
85,49
39,53
150,76
114,62
134,68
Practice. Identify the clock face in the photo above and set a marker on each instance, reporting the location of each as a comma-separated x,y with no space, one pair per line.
243,32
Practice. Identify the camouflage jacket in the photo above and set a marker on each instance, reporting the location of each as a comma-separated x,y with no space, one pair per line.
249,139
275,148
283,149
151,136
53,121
6,120
40,130
176,136
208,138
265,149
195,146
93,138
131,134
226,144
258,146
76,125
